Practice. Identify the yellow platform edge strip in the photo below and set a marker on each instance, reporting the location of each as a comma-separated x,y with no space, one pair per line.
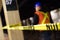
54,26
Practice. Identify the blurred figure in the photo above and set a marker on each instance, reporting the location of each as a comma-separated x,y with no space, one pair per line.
24,23
43,18
55,15
31,20
27,22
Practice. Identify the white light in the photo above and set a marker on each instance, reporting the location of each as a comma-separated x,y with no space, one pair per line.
31,18
55,15
23,21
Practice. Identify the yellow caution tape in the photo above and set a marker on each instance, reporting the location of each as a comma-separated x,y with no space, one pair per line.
54,26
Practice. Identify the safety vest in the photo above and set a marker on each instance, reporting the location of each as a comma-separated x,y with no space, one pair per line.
43,17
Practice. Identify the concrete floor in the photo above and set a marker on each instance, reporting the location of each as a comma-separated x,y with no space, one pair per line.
34,35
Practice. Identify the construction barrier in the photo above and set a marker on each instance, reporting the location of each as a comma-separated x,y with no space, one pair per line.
55,26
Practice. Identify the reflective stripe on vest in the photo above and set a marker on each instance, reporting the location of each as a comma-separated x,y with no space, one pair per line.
45,17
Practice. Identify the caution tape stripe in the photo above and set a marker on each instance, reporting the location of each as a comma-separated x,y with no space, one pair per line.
55,26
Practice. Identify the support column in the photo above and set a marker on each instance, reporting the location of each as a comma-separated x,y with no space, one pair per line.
1,30
12,17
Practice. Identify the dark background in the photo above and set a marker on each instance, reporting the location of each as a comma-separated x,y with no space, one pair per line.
26,7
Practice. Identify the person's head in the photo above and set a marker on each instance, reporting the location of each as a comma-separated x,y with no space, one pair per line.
37,6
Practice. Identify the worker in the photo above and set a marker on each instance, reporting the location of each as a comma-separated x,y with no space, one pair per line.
43,18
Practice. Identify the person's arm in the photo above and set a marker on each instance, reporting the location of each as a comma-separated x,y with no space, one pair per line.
34,20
